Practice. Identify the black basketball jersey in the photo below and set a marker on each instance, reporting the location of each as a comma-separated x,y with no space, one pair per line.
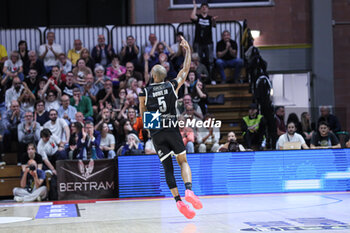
161,97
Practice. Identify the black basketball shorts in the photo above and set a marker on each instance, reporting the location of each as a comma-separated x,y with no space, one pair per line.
168,142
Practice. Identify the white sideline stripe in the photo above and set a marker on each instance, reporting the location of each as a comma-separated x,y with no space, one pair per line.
26,204
302,184
14,219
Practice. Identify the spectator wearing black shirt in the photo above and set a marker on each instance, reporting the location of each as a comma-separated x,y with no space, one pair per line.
31,154
129,51
68,86
32,80
324,138
34,63
226,52
41,116
107,94
203,40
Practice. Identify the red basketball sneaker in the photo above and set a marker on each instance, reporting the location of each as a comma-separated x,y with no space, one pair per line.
193,199
185,210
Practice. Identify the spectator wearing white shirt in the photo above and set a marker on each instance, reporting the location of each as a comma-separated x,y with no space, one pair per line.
58,127
290,136
208,136
49,52
14,92
66,111
64,63
13,67
48,148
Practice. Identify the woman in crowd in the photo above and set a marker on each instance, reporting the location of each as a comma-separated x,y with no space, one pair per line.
64,63
133,88
124,129
147,141
231,145
190,83
13,66
115,70
200,96
306,127
27,99
80,71
133,145
23,51
85,54
107,144
119,102
100,76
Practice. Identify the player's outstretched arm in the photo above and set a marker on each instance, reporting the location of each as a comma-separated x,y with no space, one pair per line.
142,106
182,75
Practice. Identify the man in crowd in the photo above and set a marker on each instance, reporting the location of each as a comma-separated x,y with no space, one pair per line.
58,127
203,39
68,86
332,120
74,54
226,52
89,143
102,53
81,103
66,111
253,127
28,132
34,63
130,73
32,184
291,139
32,80
14,92
129,51
49,52
279,118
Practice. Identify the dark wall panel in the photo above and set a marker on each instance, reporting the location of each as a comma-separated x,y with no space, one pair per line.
67,12
107,12
24,13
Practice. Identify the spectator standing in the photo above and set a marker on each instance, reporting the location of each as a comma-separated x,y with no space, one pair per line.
129,51
23,50
102,53
203,40
49,52
74,54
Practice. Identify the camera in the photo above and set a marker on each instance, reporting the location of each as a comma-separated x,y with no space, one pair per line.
233,146
32,167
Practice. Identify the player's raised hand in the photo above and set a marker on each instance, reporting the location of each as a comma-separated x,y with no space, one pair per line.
184,43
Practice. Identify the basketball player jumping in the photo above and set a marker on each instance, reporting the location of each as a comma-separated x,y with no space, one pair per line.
160,97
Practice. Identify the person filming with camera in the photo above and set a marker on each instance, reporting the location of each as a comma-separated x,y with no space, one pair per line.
231,145
32,184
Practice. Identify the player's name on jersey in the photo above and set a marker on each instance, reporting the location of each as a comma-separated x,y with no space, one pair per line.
160,93
211,122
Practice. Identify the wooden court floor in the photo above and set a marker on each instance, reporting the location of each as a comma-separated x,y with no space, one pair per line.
299,212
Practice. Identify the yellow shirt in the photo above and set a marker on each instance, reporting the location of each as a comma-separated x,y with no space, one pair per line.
73,56
3,52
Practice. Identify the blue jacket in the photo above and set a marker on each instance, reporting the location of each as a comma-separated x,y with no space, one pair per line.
81,146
